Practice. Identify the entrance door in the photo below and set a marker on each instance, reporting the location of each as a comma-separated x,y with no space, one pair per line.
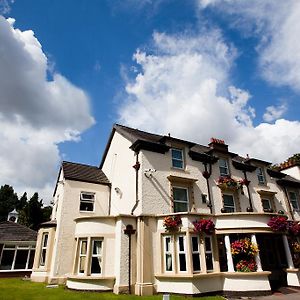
273,258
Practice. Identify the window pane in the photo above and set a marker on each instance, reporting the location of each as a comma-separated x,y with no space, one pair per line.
180,207
31,259
177,154
43,257
209,261
207,244
182,262
223,166
181,243
194,243
177,163
260,175
45,240
168,262
97,245
228,200
196,262
81,264
294,200
86,206
180,194
87,196
266,203
21,259
168,241
7,259
96,265
83,247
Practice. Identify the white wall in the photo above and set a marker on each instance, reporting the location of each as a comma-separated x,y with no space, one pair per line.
118,169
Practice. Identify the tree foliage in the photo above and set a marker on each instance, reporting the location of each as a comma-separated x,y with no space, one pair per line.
31,213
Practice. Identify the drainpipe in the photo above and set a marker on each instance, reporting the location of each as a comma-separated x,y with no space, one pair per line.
206,174
247,182
289,204
136,167
129,231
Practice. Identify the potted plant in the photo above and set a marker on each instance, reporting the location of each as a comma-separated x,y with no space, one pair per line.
226,182
278,223
243,252
172,223
206,226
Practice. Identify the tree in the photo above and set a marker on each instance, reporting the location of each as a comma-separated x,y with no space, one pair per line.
8,201
34,212
22,202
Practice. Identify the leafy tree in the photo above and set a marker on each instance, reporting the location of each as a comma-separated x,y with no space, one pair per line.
34,211
8,201
22,202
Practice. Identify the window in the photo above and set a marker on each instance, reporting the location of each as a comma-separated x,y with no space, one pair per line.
196,254
96,262
260,176
208,254
223,166
229,203
266,204
168,254
87,201
82,255
180,199
181,253
44,249
294,200
177,158
16,257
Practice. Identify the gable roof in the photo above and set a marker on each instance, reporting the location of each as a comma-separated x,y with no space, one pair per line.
85,173
10,231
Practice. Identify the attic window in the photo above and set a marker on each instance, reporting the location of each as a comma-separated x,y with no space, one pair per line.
87,201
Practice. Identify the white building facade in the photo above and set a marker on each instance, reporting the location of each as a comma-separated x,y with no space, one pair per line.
108,224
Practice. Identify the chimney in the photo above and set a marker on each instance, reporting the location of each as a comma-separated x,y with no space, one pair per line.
218,145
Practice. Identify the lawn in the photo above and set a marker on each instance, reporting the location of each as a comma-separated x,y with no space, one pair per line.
18,289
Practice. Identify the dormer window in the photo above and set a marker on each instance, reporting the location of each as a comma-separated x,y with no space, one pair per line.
260,176
87,201
223,166
177,158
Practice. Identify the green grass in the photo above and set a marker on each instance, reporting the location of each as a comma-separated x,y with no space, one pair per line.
18,289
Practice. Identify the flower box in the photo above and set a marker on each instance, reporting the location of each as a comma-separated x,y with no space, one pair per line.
172,223
228,183
206,226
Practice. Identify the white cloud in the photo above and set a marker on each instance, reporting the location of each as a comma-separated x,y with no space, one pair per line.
183,87
274,112
276,24
36,114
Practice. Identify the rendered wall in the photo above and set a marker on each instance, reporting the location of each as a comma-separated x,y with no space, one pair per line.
118,169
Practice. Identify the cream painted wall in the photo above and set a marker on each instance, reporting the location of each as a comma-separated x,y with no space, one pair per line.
68,209
118,169
293,171
156,189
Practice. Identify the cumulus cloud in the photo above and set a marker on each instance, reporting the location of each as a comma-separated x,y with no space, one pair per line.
274,112
276,25
36,114
183,87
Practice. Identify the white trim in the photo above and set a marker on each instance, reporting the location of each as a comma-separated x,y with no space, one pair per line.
176,159
181,252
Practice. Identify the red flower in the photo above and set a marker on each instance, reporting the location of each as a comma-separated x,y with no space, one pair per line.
204,225
172,222
278,223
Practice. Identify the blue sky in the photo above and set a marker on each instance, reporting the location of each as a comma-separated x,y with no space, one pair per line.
196,69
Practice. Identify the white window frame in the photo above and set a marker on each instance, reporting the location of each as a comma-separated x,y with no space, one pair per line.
97,255
90,201
44,248
169,252
224,167
209,252
15,248
179,201
234,205
196,252
181,252
81,255
295,200
177,159
269,201
260,175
